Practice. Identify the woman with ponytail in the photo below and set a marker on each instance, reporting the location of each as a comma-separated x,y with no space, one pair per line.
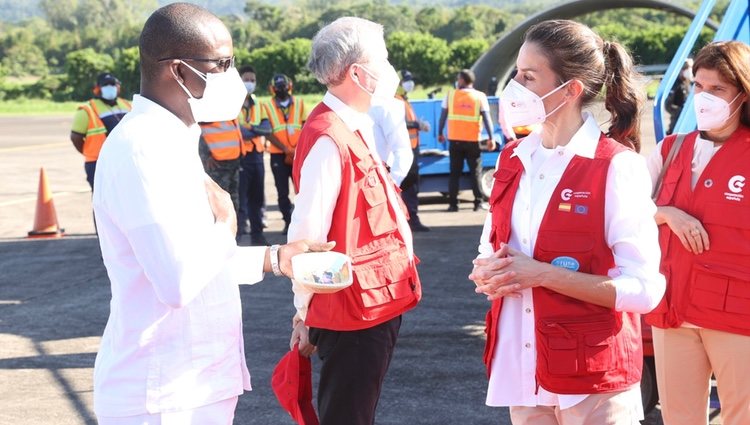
703,211
569,255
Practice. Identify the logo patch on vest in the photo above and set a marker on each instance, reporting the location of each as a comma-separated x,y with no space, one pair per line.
565,262
735,186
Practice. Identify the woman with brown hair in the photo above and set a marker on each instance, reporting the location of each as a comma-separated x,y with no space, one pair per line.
569,252
703,212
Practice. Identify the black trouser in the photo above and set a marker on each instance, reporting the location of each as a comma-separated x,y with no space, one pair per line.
353,366
90,168
460,152
410,189
282,172
251,192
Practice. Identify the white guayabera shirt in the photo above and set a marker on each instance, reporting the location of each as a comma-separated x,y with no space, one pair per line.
173,340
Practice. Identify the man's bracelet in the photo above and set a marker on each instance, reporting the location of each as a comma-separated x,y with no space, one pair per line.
273,253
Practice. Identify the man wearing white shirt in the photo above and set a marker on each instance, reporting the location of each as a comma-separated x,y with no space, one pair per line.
346,195
391,136
172,350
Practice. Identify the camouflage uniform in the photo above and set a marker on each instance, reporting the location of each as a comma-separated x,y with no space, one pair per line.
225,173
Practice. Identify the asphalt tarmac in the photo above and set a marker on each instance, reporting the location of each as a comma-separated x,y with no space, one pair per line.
54,303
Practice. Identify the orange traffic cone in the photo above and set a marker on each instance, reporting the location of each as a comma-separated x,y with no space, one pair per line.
45,219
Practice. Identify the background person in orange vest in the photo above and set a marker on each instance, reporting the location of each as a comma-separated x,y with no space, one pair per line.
702,326
569,253
286,115
220,149
464,109
410,184
95,119
254,126
346,195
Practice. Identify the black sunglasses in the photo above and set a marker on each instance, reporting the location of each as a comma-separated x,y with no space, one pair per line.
224,63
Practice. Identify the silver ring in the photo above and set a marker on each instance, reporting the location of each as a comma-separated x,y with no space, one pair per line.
695,231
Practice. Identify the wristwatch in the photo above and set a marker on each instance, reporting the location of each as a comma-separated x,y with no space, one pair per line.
273,254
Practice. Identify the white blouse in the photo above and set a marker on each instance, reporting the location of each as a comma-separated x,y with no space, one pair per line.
630,231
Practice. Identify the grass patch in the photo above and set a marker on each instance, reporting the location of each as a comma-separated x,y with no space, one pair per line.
36,107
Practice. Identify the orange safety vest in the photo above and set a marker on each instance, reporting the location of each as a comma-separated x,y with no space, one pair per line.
250,119
223,138
285,127
96,133
410,116
364,226
464,118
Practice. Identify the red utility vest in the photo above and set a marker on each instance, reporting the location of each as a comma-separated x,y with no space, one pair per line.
582,348
223,138
712,289
386,283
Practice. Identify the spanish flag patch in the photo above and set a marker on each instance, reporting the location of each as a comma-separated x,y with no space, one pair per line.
564,207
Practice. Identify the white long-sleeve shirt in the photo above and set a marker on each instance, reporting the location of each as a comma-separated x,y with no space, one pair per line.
320,183
173,340
391,136
630,232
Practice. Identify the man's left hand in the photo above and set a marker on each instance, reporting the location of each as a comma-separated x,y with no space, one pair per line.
221,204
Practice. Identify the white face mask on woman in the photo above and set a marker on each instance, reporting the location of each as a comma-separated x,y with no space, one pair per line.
712,112
222,98
408,86
523,107
386,85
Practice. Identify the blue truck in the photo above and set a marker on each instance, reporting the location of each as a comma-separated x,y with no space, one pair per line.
434,163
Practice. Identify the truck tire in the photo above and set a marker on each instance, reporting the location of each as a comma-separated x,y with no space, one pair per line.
486,182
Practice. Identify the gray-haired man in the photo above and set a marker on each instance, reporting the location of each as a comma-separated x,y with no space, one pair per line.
346,195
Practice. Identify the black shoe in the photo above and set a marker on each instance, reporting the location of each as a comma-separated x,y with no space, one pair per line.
481,206
418,227
453,208
258,240
246,227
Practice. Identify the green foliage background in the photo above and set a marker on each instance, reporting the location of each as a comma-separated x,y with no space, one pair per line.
53,49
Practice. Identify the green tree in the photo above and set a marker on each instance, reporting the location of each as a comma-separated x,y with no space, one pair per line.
423,54
82,67
465,52
24,59
289,58
127,70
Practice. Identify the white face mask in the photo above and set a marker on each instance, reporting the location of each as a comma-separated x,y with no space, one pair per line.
523,107
408,86
250,86
222,97
386,85
712,112
109,92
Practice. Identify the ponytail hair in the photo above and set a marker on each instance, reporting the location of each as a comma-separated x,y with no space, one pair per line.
623,97
575,52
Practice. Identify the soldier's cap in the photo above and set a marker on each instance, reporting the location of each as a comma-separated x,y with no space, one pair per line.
406,75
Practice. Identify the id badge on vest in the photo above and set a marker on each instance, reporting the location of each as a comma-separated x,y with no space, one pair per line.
290,129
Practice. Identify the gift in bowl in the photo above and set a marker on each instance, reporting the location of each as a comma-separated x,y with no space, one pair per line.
322,272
